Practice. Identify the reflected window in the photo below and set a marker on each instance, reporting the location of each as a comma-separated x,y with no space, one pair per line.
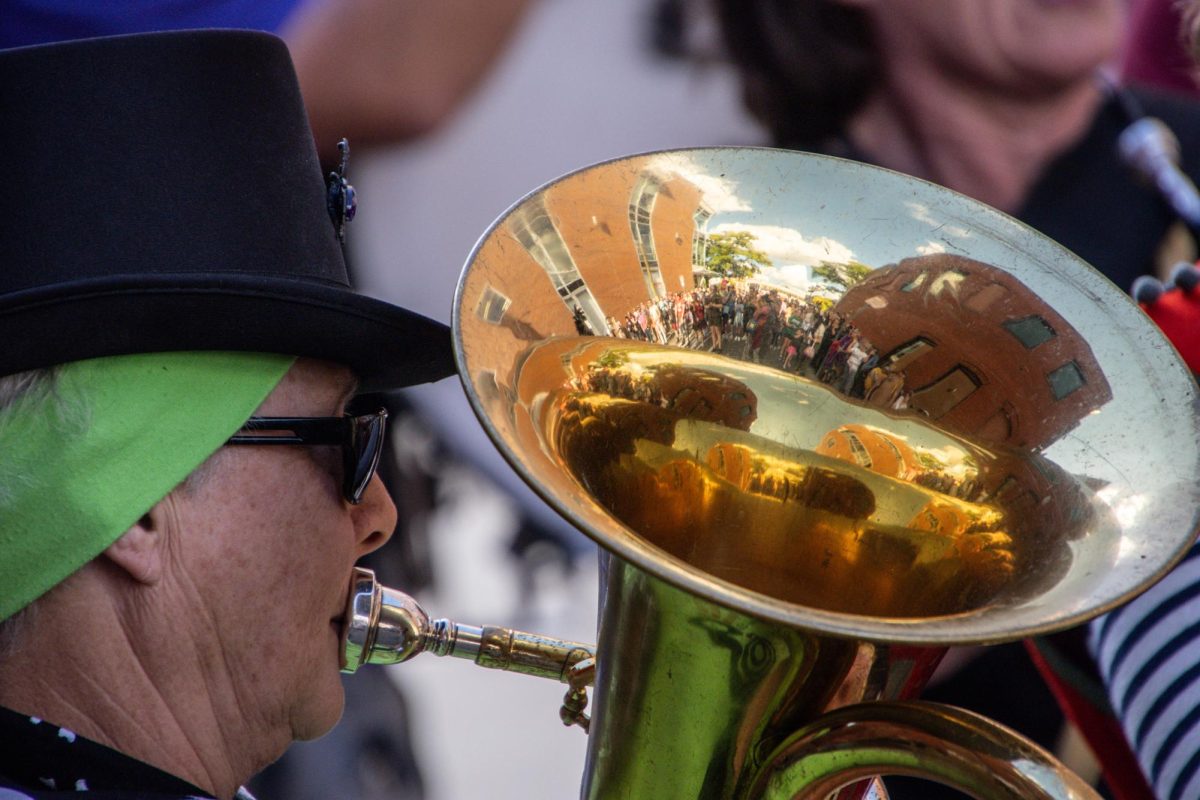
907,353
700,236
1030,331
1066,380
857,450
641,207
895,450
492,306
535,230
490,390
950,281
946,392
1004,492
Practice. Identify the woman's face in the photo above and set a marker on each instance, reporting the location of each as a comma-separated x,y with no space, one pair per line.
1000,45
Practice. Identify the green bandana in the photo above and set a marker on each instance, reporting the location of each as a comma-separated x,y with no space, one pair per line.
78,469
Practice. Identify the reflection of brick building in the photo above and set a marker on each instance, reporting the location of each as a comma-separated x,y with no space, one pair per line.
603,241
872,449
1006,481
981,353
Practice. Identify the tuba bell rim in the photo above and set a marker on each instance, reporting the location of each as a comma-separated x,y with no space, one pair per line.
990,624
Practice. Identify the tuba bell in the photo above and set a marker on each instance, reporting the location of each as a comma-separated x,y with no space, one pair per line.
825,421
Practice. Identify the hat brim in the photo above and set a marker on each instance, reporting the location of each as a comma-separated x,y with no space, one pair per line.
387,346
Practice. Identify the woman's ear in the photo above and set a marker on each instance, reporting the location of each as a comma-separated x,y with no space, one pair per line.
142,550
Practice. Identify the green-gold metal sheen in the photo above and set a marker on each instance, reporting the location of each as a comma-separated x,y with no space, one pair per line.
790,545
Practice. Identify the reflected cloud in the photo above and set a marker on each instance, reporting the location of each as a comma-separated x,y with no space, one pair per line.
922,213
1124,508
789,246
720,194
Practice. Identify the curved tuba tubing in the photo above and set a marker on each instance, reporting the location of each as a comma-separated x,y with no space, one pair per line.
825,421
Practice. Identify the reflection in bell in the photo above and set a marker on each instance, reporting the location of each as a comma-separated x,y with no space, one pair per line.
829,419
664,442
983,354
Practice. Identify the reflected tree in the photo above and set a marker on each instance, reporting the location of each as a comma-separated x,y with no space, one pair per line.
841,274
733,254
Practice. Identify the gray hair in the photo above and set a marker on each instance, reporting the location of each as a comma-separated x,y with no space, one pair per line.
23,390
34,382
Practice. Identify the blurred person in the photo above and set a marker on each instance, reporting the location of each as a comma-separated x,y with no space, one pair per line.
373,71
1000,101
172,587
712,318
1156,50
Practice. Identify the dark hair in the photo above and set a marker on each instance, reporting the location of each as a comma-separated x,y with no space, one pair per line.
806,65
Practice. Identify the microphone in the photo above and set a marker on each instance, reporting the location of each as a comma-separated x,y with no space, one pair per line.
1150,147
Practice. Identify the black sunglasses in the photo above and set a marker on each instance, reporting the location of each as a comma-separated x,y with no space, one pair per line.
361,440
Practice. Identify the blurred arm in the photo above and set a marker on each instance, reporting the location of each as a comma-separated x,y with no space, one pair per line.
379,71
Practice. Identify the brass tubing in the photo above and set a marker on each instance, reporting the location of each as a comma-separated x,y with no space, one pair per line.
495,647
925,740
530,653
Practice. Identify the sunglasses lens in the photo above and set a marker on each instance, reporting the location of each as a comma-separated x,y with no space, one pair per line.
362,454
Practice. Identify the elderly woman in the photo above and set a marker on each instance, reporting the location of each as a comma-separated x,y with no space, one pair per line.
998,100
183,495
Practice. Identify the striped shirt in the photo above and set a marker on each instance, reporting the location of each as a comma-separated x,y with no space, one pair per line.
1148,652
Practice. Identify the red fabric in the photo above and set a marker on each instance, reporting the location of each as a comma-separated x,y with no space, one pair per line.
1177,313
1102,731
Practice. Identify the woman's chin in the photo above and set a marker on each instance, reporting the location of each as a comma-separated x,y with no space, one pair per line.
322,710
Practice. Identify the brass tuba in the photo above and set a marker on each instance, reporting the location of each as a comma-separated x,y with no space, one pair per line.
825,421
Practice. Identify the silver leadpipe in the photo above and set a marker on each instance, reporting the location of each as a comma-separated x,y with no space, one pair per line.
384,626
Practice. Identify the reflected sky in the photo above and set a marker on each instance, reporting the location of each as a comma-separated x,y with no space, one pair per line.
835,210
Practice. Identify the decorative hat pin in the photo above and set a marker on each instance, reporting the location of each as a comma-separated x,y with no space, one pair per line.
340,198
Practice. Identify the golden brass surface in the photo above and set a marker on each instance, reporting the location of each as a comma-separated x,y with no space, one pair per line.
825,420
957,747
797,524
1024,461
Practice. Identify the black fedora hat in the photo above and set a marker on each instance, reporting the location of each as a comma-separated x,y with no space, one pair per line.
164,194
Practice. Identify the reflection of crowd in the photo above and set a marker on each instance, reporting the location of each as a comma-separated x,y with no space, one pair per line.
963,487
793,333
713,314
619,383
676,319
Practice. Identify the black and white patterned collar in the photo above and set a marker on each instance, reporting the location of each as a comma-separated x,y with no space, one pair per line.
39,759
